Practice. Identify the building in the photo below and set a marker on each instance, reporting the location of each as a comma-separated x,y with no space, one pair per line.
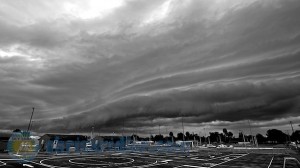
187,144
4,137
62,142
110,142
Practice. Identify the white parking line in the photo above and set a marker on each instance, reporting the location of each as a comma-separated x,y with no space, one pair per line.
271,162
51,166
114,154
2,163
212,164
216,157
103,164
242,155
27,165
10,159
143,166
194,166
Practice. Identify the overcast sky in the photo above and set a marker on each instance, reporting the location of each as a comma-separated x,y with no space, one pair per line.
145,63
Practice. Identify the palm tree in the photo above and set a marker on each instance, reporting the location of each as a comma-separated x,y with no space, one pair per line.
225,133
187,134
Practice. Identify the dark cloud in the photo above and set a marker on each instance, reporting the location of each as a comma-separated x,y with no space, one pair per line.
149,63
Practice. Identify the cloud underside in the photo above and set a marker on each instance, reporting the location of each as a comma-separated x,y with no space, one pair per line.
146,63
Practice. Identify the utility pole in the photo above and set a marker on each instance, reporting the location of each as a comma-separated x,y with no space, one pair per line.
243,137
150,138
93,129
30,119
205,136
255,138
200,139
183,134
182,128
294,133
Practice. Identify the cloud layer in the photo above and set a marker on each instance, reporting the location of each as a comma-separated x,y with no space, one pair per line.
140,64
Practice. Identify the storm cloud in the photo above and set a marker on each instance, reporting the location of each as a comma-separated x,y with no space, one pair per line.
136,64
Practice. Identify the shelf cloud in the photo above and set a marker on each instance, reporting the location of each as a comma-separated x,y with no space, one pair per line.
139,64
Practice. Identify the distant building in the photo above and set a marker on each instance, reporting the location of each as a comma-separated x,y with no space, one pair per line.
113,138
110,142
64,142
188,144
143,143
244,143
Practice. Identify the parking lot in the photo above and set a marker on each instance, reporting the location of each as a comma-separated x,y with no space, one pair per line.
194,159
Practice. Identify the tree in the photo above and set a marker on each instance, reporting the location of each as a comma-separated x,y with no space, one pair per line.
276,136
222,137
171,137
230,135
295,135
158,138
135,137
187,135
214,136
225,133
260,138
241,137
17,130
180,136
151,137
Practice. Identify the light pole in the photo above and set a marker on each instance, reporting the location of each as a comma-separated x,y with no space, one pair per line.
205,136
200,138
92,136
30,119
183,134
244,140
251,132
182,128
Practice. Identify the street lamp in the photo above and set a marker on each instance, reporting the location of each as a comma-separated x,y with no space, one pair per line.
30,119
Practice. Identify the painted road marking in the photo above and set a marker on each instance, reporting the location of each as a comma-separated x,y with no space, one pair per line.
143,166
271,162
51,166
213,164
230,160
114,154
99,164
2,163
194,166
27,165
217,157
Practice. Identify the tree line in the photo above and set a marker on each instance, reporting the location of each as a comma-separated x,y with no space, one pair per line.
272,136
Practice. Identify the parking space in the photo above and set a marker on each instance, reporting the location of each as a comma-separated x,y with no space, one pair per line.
126,159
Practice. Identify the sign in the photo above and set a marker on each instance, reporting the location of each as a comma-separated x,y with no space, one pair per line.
55,142
22,146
